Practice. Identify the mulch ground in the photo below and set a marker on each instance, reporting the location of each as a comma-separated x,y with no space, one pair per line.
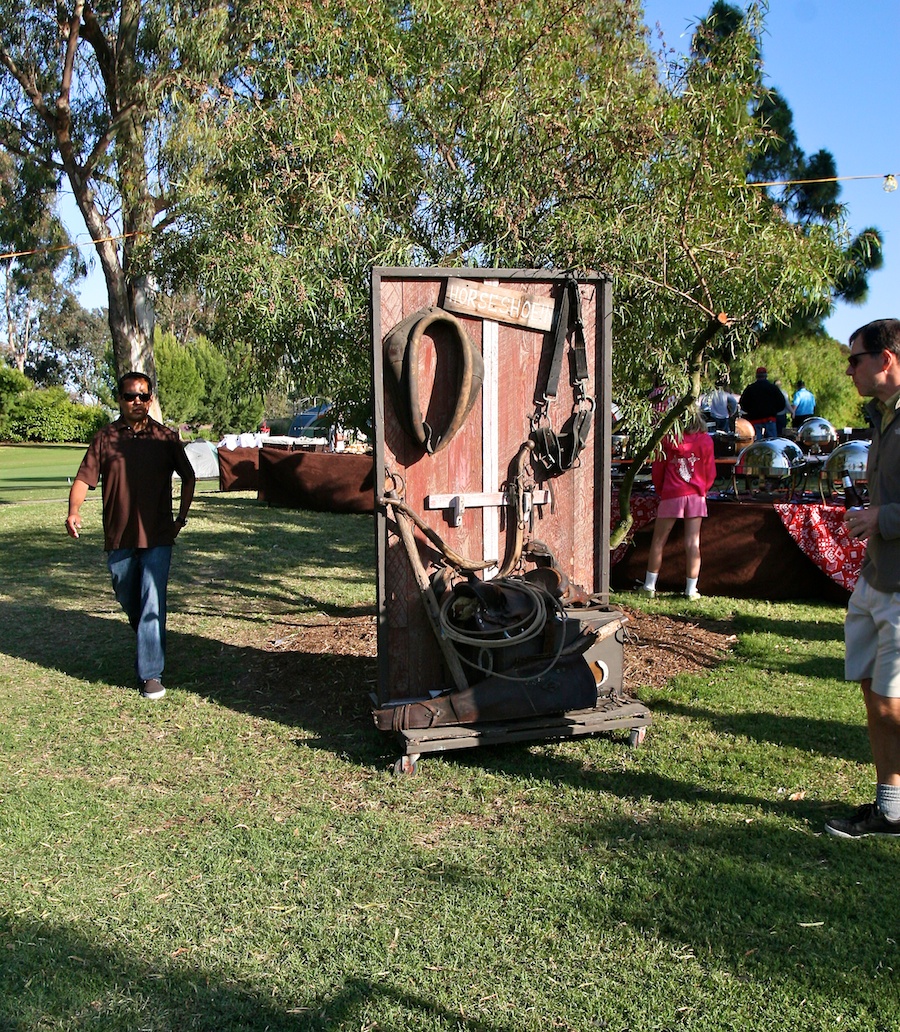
657,647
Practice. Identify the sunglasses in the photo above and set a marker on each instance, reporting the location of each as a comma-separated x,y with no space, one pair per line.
854,360
136,396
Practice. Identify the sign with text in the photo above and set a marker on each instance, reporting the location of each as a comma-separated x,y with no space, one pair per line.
518,307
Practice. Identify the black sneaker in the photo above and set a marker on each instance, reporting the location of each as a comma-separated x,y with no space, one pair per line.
152,689
867,820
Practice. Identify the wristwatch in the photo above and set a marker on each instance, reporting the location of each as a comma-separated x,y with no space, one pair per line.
182,520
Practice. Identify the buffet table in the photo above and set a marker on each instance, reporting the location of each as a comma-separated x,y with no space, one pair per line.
750,549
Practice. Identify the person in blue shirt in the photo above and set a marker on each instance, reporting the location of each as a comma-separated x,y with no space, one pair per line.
803,404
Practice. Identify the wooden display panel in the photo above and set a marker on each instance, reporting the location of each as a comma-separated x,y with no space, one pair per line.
575,526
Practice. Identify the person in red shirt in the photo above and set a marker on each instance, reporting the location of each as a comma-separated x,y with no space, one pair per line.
134,459
682,478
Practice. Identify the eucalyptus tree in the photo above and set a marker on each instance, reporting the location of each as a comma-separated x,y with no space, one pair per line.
431,132
94,94
535,133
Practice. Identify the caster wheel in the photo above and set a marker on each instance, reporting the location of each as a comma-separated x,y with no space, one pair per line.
406,765
637,736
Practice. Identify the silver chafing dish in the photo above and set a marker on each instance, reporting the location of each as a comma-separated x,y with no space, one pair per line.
853,457
619,445
771,466
817,436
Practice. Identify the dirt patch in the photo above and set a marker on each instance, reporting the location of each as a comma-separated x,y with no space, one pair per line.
657,647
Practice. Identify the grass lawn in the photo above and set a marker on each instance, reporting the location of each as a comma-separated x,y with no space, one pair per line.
37,471
43,472
238,856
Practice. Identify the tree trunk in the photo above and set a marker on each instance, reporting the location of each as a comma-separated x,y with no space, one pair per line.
130,305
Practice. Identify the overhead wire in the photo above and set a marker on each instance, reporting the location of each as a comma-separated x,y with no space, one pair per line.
890,181
67,247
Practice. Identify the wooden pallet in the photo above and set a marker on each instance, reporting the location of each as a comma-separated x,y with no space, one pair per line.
611,715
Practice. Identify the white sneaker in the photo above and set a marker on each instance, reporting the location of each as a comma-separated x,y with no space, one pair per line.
692,594
647,592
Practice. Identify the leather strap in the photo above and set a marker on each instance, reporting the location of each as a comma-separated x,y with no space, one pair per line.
554,453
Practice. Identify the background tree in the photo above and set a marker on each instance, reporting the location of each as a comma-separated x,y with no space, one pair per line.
806,189
179,386
343,135
39,269
813,358
97,94
201,387
70,348
557,147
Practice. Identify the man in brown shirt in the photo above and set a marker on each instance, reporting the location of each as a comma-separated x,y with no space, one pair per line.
134,458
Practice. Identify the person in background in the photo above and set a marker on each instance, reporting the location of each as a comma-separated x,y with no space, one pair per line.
135,458
722,406
803,404
682,478
761,402
781,417
872,624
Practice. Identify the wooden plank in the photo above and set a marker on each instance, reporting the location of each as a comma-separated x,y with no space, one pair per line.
502,304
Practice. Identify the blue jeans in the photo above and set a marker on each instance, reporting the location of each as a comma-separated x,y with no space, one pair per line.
140,578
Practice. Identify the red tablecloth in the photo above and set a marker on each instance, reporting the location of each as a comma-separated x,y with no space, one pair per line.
817,530
821,534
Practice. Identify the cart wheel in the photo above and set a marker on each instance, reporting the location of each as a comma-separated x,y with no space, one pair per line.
406,765
637,736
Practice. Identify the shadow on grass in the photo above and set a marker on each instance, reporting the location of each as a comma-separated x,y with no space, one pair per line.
783,910
806,630
53,976
327,694
822,737
322,693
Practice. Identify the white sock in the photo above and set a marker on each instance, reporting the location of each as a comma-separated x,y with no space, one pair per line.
650,579
690,587
888,799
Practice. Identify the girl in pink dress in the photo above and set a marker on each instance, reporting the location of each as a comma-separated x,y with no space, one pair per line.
682,478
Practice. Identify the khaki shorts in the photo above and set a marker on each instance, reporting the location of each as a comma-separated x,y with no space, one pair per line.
872,639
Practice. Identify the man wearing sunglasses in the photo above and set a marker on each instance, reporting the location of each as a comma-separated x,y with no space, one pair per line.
872,625
134,458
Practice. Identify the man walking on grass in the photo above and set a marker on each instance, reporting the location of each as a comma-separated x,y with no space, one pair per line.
872,626
135,458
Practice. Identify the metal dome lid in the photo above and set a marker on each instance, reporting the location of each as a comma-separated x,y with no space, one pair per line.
743,429
817,435
852,456
770,457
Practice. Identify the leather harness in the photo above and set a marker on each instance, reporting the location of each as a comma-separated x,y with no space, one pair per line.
554,453
401,351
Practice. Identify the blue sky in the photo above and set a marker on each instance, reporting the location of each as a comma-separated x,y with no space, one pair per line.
836,64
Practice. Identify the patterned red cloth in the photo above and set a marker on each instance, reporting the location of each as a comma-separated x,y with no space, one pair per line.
643,511
821,534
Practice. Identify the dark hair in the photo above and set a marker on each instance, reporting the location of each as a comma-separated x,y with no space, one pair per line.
134,376
879,335
799,384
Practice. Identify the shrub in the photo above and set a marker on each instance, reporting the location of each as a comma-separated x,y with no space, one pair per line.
90,419
50,417
12,384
